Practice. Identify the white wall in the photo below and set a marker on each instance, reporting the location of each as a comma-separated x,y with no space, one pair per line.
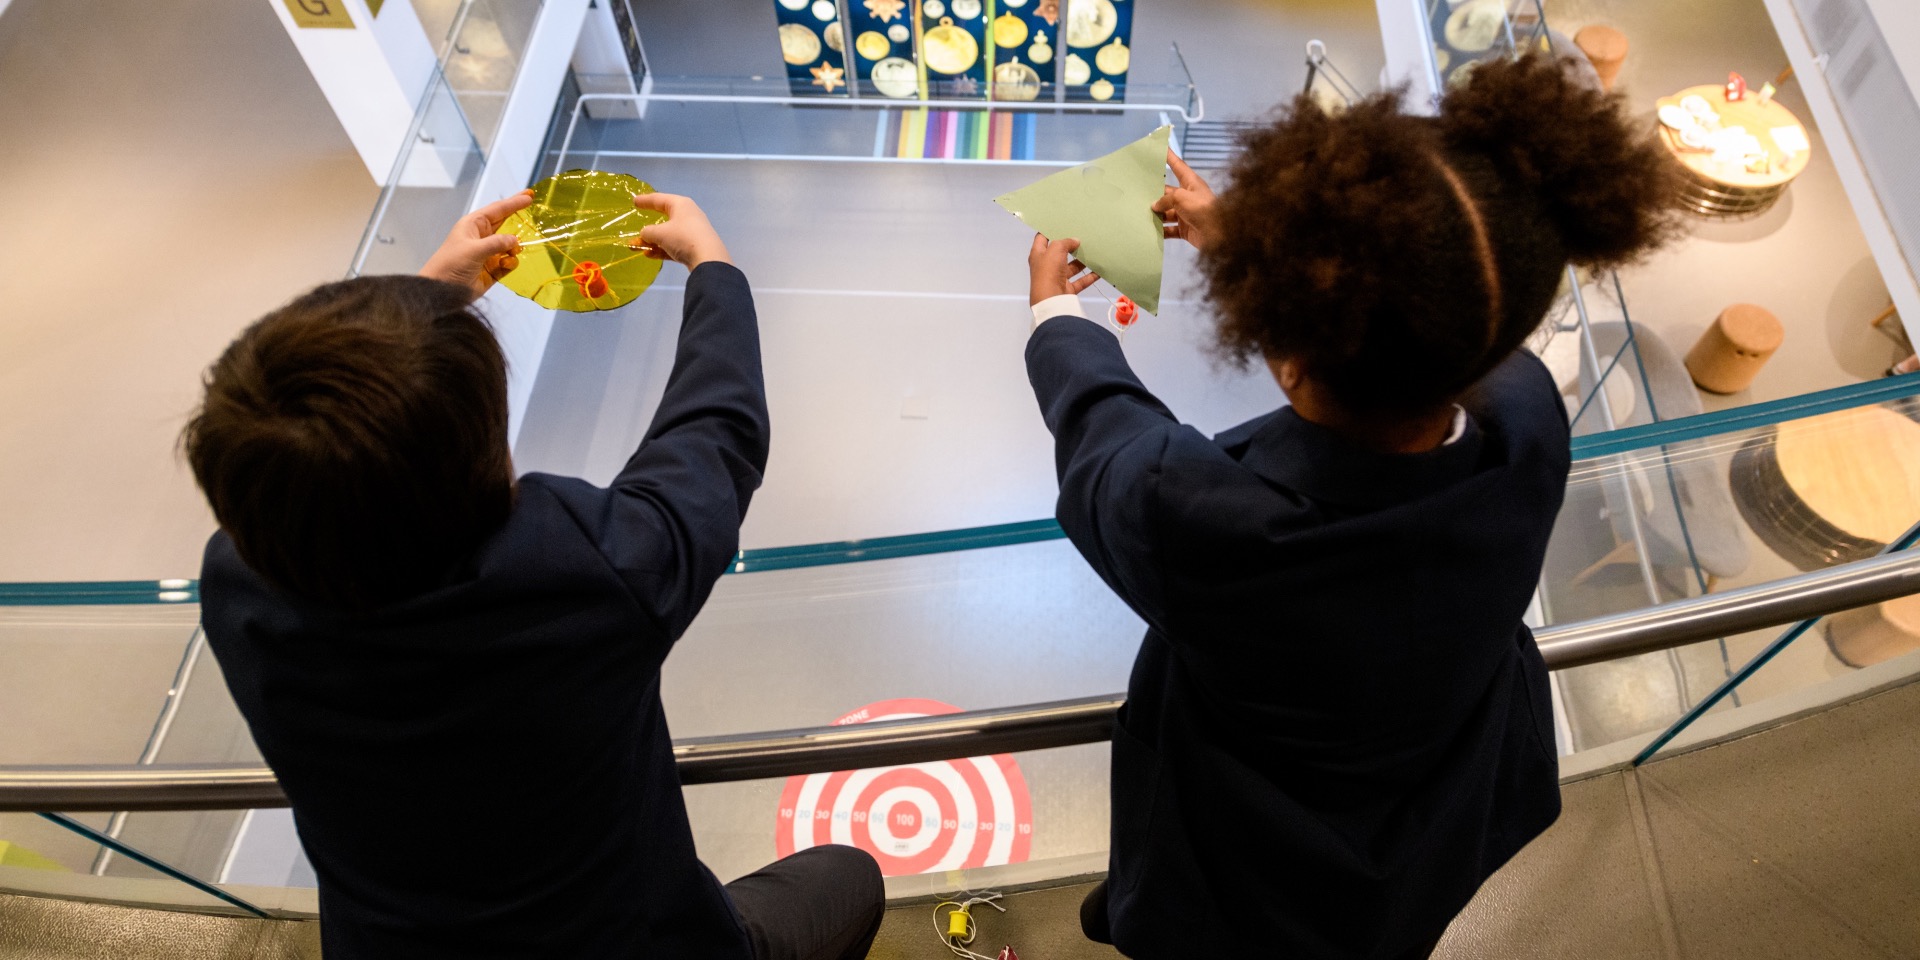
196,164
373,76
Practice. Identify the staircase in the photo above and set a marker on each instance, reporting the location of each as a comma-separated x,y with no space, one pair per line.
1211,144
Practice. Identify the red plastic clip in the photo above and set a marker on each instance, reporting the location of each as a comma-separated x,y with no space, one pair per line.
1736,87
1125,312
1006,953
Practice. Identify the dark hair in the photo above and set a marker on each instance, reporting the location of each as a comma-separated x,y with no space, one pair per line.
1345,242
353,443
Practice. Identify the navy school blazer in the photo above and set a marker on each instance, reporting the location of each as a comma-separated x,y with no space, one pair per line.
485,770
1337,726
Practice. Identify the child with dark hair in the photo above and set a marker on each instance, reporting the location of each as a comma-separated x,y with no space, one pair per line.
455,673
1337,726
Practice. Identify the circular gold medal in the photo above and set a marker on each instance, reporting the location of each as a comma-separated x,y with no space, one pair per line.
895,77
1090,22
1114,58
798,45
1078,72
872,45
1014,80
1102,89
1009,31
949,49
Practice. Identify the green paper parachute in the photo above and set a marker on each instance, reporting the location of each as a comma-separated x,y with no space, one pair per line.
1105,204
577,242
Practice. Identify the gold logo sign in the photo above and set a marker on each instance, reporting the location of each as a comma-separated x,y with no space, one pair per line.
319,13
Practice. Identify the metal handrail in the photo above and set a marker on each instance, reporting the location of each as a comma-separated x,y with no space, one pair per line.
1188,112
1037,726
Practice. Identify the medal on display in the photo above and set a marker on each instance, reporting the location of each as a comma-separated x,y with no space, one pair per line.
1078,72
1013,80
1114,58
872,45
829,76
949,49
1090,22
1009,31
895,77
1041,51
799,45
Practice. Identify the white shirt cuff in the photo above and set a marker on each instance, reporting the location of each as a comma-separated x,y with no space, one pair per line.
1459,426
1064,305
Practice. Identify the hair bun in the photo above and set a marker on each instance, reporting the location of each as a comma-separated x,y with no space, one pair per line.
1606,185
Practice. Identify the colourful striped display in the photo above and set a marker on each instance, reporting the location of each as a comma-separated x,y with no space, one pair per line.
960,135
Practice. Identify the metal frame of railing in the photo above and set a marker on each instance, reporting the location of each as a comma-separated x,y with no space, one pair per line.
1011,729
1046,106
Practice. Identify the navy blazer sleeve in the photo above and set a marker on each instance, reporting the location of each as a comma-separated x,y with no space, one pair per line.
671,521
1110,438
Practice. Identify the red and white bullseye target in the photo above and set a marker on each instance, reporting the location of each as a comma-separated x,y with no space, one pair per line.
915,819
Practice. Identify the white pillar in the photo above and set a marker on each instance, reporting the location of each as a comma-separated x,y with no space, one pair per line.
521,326
373,61
1409,50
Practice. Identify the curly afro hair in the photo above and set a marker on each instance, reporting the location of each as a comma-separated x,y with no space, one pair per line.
1399,258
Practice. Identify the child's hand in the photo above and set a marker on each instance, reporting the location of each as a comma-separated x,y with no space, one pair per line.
1187,208
1054,269
687,238
474,255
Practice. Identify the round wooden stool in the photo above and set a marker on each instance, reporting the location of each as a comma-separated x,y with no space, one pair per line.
1734,348
1606,47
1876,634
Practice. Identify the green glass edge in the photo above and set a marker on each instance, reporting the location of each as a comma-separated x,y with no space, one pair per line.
1628,439
97,593
1034,531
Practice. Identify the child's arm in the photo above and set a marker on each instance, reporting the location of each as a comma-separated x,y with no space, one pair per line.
1109,437
675,509
475,254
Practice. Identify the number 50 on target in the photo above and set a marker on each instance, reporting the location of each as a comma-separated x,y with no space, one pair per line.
921,818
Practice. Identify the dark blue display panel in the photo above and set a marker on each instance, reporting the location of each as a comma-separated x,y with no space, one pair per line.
1026,47
884,49
813,45
1099,49
954,48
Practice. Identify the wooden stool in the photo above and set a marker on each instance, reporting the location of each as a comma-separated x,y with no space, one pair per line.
1732,351
1606,47
1876,634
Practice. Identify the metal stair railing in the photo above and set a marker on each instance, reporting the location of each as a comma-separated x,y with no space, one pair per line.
1011,729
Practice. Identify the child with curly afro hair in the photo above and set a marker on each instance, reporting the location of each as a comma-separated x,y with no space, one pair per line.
1337,724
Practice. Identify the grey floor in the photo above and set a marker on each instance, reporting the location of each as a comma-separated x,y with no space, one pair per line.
177,173
895,373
